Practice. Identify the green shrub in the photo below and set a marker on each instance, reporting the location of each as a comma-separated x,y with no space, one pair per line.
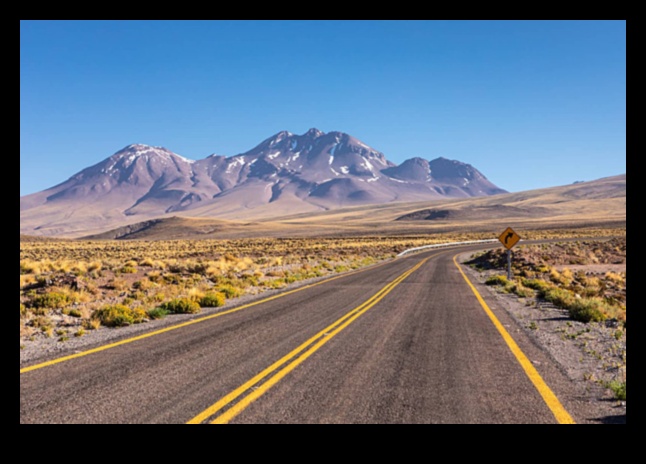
523,291
41,322
497,280
181,306
250,280
212,300
119,315
276,283
587,310
618,388
560,297
51,300
539,285
229,291
158,313
23,310
128,270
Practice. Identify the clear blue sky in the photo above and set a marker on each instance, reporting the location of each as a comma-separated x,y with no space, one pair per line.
530,104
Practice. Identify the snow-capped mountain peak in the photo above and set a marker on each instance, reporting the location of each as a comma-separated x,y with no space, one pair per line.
315,170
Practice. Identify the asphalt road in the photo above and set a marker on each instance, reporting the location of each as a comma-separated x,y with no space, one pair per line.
402,342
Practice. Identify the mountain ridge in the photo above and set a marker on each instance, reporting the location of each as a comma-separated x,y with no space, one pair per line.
284,173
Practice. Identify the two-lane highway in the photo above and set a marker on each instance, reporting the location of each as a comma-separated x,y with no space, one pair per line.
407,341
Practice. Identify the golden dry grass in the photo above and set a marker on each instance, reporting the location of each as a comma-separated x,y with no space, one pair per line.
86,275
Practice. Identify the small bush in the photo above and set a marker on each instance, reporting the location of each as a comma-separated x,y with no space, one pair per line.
158,313
555,276
497,280
615,277
560,297
539,285
30,267
154,276
119,315
128,270
171,279
73,312
229,291
95,266
91,324
618,389
523,291
117,284
27,279
51,300
181,306
212,300
587,310
143,284
41,322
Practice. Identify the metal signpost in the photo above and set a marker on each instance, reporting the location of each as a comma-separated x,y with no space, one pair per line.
509,238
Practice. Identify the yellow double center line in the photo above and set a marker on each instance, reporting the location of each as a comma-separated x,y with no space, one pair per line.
256,387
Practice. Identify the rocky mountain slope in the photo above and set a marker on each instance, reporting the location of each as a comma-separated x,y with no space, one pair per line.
284,174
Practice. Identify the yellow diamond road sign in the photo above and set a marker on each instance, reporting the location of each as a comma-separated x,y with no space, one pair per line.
509,238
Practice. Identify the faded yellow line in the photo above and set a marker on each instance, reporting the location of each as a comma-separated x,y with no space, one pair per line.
560,413
184,324
324,335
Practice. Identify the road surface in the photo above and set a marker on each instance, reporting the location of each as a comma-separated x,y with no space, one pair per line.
407,341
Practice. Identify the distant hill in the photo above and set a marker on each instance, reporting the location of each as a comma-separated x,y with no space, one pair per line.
595,203
284,174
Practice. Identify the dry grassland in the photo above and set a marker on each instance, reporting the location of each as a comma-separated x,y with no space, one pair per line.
68,288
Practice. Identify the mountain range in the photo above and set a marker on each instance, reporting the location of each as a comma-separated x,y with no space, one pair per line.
284,174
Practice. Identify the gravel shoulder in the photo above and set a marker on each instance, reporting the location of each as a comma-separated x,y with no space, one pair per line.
588,353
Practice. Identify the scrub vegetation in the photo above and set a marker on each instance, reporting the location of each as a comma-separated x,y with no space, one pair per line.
88,284
585,281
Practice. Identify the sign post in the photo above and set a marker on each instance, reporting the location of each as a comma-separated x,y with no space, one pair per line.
509,238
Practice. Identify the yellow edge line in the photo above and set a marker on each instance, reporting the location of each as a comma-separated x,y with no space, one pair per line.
184,324
348,318
560,413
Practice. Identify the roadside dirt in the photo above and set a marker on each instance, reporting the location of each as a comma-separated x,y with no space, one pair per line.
592,354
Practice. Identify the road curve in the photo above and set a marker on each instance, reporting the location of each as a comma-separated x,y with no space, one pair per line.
403,342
